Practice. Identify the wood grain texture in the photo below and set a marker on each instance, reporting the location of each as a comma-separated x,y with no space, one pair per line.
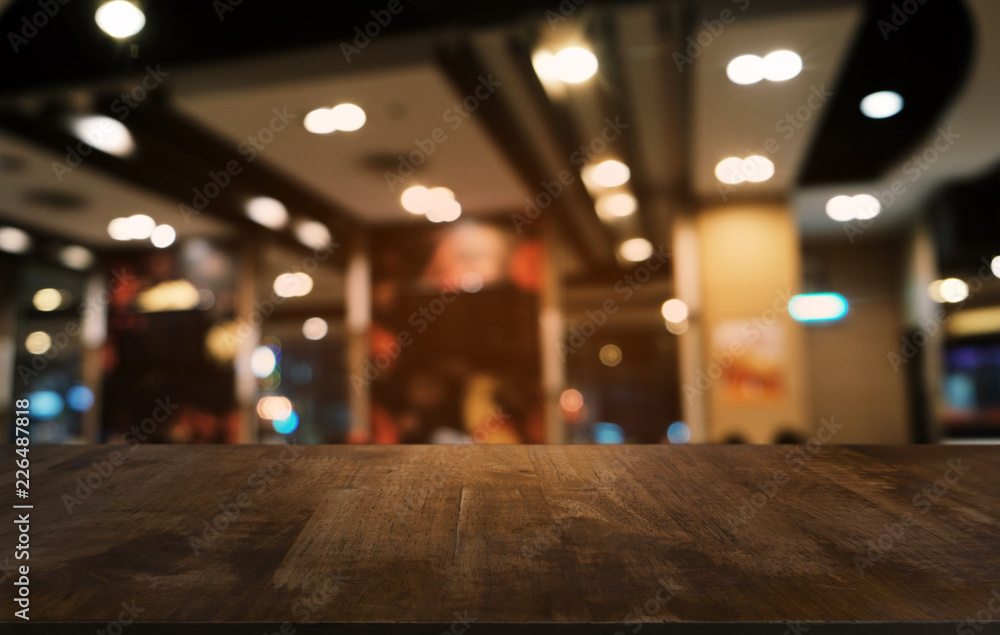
530,535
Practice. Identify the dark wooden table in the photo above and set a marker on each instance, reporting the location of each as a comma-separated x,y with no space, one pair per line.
516,539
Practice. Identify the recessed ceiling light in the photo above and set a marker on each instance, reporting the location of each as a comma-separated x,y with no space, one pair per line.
613,206
782,65
754,168
267,211
119,229
846,208
746,69
348,117
315,328
320,121
636,249
444,210
76,257
882,104
104,133
120,18
573,65
416,199
140,226
313,234
47,299
610,173
163,236
14,241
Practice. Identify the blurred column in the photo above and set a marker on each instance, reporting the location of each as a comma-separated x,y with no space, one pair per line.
750,263
8,351
687,281
358,303
248,337
94,333
919,310
550,327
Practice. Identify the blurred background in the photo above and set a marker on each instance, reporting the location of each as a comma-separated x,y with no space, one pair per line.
431,221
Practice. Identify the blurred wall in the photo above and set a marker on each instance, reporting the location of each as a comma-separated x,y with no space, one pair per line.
851,379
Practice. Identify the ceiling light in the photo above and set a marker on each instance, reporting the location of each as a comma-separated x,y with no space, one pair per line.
730,170
882,104
840,208
47,299
163,236
609,173
313,234
320,121
76,257
119,229
636,249
817,307
860,206
746,69
140,226
441,193
674,311
611,206
953,290
38,343
104,133
315,328
267,211
14,241
782,65
995,266
348,117
573,65
293,285
444,211
416,199
120,19
757,169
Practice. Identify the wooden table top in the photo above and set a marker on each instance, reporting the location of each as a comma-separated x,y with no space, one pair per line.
675,539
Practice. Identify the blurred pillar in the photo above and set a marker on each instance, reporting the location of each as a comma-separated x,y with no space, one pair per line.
94,333
750,266
551,336
359,318
249,319
8,351
687,288
919,310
